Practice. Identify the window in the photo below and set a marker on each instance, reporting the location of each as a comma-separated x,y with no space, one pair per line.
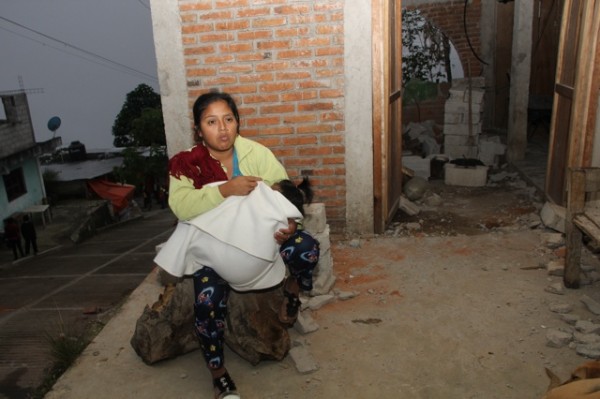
14,182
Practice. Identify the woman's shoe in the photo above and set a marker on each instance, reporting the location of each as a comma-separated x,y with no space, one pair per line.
225,387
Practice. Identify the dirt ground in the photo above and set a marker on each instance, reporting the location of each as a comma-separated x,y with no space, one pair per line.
451,303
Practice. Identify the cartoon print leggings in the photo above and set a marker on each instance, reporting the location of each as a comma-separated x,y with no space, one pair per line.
300,254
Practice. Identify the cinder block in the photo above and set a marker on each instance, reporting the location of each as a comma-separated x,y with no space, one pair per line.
463,129
315,220
472,176
461,151
421,166
454,140
459,106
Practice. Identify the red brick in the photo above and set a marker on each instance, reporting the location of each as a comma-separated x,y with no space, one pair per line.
255,34
299,140
232,25
276,87
321,128
268,22
231,3
295,119
277,108
196,6
257,77
273,120
294,54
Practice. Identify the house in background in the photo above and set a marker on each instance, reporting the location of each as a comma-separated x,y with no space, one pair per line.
22,186
86,175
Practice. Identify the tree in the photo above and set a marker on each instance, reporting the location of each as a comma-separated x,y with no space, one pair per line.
141,110
425,49
138,168
149,128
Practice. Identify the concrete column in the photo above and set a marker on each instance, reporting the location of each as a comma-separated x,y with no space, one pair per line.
488,45
358,117
166,26
519,80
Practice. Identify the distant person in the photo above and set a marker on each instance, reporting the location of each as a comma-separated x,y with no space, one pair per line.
29,235
12,233
147,199
162,197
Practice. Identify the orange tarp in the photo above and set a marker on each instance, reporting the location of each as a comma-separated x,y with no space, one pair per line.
118,194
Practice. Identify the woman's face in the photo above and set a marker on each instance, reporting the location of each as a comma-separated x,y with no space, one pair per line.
218,127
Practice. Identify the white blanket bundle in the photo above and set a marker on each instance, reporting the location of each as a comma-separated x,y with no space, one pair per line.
235,239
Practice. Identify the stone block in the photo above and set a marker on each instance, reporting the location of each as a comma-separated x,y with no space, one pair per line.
460,140
553,216
465,176
490,148
315,219
420,166
460,107
461,151
463,129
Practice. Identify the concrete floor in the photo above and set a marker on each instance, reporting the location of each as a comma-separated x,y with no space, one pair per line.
67,288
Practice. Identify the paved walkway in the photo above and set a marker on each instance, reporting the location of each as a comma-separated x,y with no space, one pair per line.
66,288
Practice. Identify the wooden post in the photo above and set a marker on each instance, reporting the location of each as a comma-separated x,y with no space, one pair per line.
575,205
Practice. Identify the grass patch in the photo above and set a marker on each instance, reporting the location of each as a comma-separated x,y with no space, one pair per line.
65,344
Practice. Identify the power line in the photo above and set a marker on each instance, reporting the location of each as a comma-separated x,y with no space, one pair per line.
89,53
143,4
77,55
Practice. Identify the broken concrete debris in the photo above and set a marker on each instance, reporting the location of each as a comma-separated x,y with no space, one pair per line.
553,216
302,359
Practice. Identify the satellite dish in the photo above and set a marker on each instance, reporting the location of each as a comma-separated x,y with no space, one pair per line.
53,124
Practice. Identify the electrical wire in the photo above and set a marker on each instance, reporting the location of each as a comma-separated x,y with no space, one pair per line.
76,55
144,4
89,53
467,34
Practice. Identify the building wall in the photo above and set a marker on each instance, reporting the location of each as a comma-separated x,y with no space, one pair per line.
33,196
16,131
283,61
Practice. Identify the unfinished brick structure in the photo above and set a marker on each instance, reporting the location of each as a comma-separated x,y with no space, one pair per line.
284,65
448,16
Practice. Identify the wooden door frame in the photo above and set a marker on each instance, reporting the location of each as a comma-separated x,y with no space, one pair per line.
385,203
380,118
575,105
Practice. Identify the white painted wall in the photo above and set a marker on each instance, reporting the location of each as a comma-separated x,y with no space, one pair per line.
358,117
520,72
166,25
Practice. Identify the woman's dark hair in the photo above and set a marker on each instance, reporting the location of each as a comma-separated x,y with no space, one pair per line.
205,100
299,195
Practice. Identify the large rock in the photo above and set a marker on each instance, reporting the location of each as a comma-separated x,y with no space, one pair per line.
166,329
253,329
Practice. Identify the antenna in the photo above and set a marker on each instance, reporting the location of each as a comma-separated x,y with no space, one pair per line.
22,89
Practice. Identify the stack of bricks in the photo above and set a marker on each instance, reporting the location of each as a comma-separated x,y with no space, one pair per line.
463,118
315,222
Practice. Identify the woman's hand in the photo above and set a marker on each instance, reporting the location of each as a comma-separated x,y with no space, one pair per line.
240,185
282,235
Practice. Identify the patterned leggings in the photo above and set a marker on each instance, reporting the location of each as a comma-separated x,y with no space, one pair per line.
300,253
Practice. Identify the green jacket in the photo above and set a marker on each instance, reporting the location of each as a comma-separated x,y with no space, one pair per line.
254,159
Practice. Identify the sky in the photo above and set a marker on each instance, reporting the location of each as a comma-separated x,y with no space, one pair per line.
77,59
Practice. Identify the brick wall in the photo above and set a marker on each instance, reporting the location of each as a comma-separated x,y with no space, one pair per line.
283,63
448,16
